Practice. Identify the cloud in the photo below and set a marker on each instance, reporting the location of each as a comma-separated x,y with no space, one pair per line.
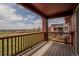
56,21
12,18
38,23
9,14
26,19
2,21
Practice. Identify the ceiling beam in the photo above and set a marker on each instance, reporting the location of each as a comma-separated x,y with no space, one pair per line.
63,14
36,10
32,8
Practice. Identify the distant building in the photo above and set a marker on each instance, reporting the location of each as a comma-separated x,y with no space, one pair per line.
58,28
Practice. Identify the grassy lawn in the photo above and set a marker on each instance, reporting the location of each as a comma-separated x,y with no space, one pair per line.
3,33
27,41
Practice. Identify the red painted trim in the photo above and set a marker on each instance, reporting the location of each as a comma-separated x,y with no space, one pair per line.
45,28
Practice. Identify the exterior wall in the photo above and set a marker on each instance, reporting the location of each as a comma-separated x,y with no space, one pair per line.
52,29
75,29
72,23
69,26
63,26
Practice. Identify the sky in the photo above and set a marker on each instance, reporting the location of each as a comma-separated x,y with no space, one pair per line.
13,16
56,21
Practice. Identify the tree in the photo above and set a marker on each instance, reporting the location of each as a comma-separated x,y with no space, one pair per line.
39,29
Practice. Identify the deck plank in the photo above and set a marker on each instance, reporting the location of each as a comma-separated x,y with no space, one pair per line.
52,49
73,52
60,50
68,52
42,50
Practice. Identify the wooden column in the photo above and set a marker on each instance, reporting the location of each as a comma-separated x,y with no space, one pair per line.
45,28
72,36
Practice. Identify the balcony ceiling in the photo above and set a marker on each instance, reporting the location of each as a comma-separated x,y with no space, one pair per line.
51,10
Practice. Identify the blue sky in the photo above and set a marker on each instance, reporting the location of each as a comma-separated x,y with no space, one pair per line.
13,16
56,21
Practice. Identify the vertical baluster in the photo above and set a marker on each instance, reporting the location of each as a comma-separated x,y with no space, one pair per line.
2,47
18,44
21,43
11,46
39,37
31,41
15,45
7,46
34,39
26,42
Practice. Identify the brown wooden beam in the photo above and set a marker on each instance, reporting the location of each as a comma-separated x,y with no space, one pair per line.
63,14
45,28
32,8
39,12
72,37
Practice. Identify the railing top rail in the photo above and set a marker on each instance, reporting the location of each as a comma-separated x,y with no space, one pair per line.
62,32
17,35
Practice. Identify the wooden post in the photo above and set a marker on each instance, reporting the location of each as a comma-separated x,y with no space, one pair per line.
72,35
45,28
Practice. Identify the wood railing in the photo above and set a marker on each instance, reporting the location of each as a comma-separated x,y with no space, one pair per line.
15,44
64,37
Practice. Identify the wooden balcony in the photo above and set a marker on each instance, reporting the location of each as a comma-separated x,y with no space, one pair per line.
33,44
15,44
57,46
42,43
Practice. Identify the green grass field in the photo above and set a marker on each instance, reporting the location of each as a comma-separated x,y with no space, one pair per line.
27,41
3,33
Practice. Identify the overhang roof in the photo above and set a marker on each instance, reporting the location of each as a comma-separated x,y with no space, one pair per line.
51,10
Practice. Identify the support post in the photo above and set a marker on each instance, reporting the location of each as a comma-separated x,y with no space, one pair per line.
45,28
72,35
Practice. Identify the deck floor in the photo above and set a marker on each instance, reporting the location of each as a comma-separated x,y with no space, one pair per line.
58,49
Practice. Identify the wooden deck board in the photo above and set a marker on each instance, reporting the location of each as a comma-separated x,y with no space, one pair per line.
73,51
42,50
60,50
67,51
55,51
33,49
52,50
59,53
